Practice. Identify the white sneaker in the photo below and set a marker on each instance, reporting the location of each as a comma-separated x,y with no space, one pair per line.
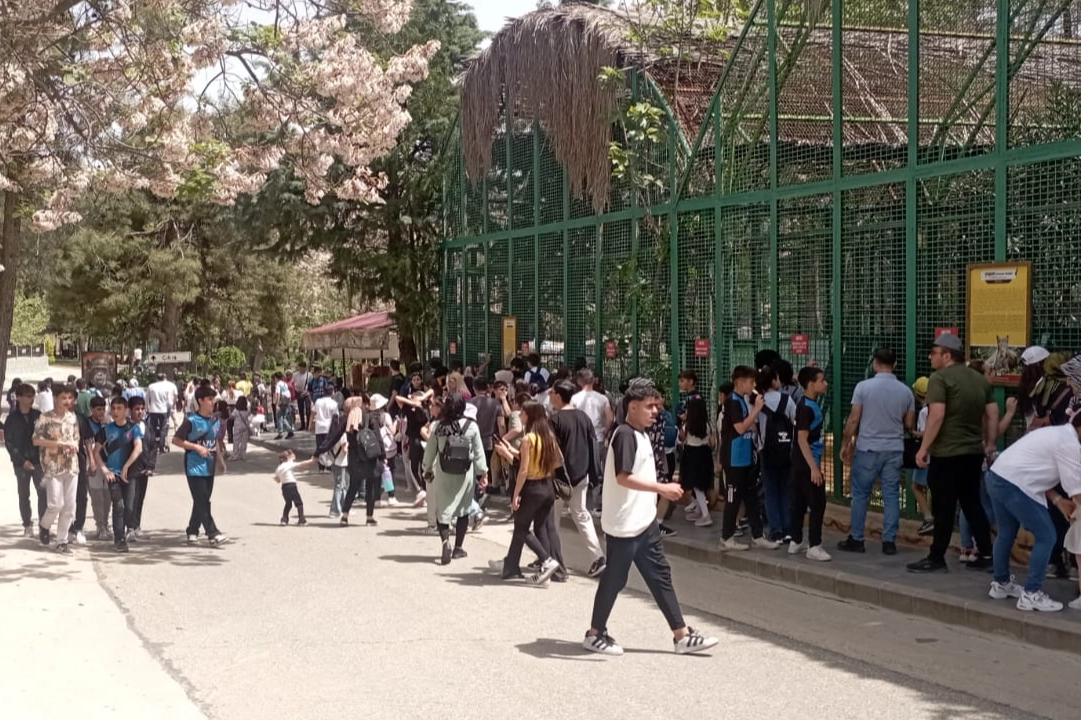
547,569
192,538
817,553
794,548
1009,589
218,539
703,522
393,502
141,534
733,545
420,499
765,544
28,532
602,643
690,509
694,642
1075,604
80,538
1037,601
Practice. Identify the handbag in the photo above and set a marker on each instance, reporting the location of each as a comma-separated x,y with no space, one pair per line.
562,487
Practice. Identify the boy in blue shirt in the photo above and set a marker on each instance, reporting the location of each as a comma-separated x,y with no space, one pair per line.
198,435
807,483
119,444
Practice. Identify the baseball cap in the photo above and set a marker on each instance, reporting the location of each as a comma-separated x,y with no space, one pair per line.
1034,354
948,341
920,386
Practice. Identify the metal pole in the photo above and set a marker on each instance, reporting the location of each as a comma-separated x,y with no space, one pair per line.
837,259
675,352
774,251
718,254
635,347
911,209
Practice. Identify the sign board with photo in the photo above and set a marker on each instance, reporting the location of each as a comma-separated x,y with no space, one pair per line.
999,317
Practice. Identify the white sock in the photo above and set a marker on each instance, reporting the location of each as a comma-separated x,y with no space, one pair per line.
699,498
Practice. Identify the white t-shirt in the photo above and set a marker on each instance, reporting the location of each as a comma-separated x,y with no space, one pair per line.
325,410
43,401
627,513
282,390
921,420
284,472
593,404
1040,460
506,376
160,397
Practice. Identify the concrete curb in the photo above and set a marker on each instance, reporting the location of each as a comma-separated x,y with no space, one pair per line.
1040,629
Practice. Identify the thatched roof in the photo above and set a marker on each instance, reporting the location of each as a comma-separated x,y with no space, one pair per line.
544,66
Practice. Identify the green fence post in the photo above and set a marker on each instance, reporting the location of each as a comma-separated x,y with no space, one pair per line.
536,239
837,259
673,263
487,304
635,348
465,302
774,251
598,297
1002,139
446,306
566,198
911,206
718,253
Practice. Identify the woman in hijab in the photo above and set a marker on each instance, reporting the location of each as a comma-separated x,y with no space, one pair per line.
1052,396
364,472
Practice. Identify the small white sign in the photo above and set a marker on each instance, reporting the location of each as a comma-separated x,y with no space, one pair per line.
178,356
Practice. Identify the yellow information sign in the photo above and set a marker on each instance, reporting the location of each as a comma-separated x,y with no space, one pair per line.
510,339
999,314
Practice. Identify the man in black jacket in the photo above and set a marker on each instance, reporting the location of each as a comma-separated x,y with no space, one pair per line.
18,431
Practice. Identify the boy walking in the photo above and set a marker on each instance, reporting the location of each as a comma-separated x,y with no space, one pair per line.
18,438
56,433
142,468
198,436
807,484
120,443
285,474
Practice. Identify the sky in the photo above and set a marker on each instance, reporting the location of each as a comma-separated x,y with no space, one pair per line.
492,14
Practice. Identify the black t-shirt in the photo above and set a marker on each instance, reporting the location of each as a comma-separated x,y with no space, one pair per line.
574,431
415,419
488,412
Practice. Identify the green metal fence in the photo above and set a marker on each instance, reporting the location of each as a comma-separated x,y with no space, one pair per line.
853,159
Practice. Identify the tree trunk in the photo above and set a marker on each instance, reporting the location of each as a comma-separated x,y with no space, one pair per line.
10,248
407,347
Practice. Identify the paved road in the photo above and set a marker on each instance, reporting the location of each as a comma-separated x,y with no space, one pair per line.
327,622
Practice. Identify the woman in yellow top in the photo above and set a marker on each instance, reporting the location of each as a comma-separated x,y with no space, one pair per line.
534,495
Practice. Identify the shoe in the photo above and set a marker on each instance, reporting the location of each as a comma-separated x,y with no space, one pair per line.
192,538
667,532
1037,601
602,643
704,521
786,540
690,510
477,521
495,564
817,553
64,550
1058,571
445,557
28,532
394,503
458,553
278,437
129,536
764,544
889,548
541,577
559,577
420,499
851,545
597,568
218,539
102,533
44,536
302,521
733,545
535,566
694,642
928,527
141,535
370,522
794,548
927,565
345,520
1009,589
980,563
740,532
289,435
1075,604
968,554
80,539
121,546
285,520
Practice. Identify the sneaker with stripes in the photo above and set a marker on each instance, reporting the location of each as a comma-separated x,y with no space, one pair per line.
602,643
694,642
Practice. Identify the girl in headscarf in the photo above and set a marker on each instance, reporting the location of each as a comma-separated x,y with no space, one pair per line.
1052,396
363,471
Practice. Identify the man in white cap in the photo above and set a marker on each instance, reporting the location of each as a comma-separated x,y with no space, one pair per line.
962,427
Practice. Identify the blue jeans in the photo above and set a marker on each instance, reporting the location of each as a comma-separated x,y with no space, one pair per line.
1014,509
285,418
775,485
341,485
966,530
886,467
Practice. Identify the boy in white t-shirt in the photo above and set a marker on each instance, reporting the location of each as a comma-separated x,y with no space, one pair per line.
284,474
629,521
919,475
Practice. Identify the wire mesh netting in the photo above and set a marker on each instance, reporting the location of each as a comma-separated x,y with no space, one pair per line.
744,239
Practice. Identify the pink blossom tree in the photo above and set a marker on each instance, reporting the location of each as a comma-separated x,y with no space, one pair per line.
201,97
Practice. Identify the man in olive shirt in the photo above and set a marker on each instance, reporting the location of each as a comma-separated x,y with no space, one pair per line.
962,426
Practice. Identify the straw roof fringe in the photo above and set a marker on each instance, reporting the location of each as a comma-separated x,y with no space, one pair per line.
544,67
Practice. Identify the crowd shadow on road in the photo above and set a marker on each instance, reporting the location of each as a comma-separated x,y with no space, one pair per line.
557,648
17,562
165,546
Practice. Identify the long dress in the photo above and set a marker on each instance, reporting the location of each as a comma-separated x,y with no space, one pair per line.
452,494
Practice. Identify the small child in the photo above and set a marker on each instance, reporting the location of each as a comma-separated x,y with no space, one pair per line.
241,418
284,474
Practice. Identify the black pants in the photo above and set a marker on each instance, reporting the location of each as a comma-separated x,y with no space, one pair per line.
141,482
24,479
201,489
319,438
647,554
123,497
304,407
460,527
953,480
82,491
158,423
742,488
291,496
804,494
538,496
367,478
416,459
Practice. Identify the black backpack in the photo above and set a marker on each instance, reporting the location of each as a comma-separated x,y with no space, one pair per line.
456,455
370,444
777,445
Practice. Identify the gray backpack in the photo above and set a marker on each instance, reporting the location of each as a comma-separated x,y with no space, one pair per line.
456,455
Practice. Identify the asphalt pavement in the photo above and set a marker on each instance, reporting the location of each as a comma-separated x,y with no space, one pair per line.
330,622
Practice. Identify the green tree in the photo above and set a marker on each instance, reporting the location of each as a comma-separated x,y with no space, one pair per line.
30,319
229,358
388,251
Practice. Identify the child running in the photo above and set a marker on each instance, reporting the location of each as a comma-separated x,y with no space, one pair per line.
284,474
